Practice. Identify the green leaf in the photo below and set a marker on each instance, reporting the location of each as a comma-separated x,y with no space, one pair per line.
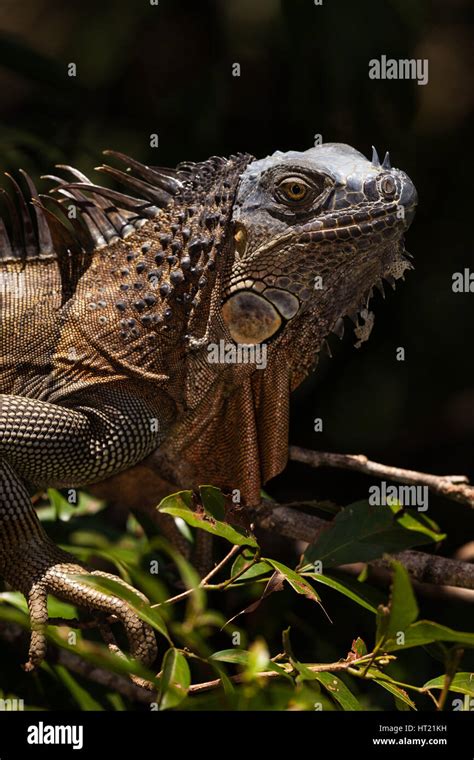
304,671
287,647
241,657
234,656
188,574
402,608
333,685
359,647
16,599
255,572
463,683
100,656
56,607
84,700
399,693
152,587
419,523
12,615
361,533
179,505
338,691
258,660
175,679
116,701
425,632
363,595
113,588
213,501
181,499
258,572
61,509
86,539
277,668
296,581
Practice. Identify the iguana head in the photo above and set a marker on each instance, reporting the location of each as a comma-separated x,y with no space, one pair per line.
314,231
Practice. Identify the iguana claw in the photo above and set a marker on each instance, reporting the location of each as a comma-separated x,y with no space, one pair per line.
60,579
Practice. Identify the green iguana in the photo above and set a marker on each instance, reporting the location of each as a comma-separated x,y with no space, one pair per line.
108,316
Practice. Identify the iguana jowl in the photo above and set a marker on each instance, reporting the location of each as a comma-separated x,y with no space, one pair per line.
107,317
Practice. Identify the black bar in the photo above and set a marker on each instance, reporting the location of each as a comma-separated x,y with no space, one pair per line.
356,733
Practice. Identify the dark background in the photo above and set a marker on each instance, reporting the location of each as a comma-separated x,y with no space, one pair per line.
304,71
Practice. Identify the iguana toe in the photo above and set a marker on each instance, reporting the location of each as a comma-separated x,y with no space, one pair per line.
61,581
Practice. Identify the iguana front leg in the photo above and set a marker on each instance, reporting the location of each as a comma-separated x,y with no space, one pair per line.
47,443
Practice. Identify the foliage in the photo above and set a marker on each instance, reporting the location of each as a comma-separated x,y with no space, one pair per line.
217,648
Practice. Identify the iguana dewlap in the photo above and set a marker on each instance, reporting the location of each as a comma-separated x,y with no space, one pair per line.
111,305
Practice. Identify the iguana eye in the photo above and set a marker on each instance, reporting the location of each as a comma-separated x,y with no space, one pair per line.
294,189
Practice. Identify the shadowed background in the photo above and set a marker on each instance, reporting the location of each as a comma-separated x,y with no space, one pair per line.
167,69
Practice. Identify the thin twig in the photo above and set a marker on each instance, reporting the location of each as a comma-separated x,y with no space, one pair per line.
455,487
203,584
241,677
235,549
349,665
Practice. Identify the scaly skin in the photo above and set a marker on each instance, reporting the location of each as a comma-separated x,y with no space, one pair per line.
106,331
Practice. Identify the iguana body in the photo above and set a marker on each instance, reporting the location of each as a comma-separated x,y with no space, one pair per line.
107,320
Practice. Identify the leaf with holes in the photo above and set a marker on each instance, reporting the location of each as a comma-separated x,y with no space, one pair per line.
179,505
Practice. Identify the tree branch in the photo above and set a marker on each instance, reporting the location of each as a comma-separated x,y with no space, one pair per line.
288,521
352,665
454,487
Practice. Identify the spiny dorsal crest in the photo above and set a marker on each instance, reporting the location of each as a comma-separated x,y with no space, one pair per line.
193,200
